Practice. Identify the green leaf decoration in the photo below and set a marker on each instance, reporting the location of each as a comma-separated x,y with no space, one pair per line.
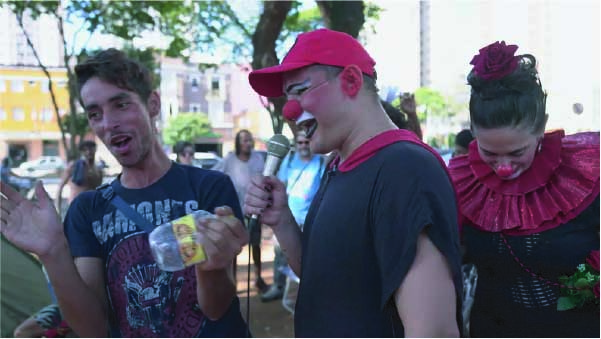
565,303
581,283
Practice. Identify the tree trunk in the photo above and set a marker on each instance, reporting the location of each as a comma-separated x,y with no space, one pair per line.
264,38
343,16
50,84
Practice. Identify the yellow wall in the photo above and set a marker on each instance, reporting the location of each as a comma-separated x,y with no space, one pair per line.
31,99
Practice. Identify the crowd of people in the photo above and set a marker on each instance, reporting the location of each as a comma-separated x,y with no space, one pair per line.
377,231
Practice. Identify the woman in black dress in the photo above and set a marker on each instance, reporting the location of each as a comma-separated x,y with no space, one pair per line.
529,203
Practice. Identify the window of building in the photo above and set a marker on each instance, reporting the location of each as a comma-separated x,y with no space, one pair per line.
2,114
44,85
34,115
16,86
50,147
194,84
2,85
46,114
215,84
216,111
195,108
18,114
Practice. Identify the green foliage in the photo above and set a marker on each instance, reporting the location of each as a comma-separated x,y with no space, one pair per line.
188,127
299,20
202,26
81,123
577,289
432,102
372,16
451,139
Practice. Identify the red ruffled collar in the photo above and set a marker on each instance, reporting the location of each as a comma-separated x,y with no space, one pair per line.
562,181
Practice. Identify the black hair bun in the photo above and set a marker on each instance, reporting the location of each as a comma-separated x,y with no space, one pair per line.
524,79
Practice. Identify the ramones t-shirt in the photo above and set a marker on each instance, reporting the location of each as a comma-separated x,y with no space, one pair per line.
144,300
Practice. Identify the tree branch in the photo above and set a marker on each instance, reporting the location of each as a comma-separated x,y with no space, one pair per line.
19,17
70,84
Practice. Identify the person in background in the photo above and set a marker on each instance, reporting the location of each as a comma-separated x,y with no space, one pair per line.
405,118
240,166
5,171
529,202
19,183
396,116
301,172
184,152
100,263
462,141
82,174
409,108
379,252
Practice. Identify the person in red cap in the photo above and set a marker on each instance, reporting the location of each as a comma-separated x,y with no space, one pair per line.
379,252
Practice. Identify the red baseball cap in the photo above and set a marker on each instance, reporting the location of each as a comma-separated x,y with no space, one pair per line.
322,46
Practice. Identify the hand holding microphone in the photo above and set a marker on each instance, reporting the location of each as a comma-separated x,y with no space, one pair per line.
266,194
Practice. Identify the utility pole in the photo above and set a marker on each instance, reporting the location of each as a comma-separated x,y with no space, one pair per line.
424,43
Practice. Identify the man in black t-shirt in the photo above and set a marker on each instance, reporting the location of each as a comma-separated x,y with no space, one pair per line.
379,253
100,265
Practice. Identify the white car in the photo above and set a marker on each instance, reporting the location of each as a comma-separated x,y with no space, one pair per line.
40,167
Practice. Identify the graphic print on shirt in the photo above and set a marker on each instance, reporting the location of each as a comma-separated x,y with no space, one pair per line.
150,296
115,223
148,302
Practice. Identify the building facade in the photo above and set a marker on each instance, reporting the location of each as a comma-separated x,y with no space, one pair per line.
43,33
28,121
221,92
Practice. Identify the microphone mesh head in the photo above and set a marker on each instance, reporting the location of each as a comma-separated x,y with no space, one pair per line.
278,146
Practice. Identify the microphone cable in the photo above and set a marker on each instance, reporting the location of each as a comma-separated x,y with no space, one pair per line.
252,223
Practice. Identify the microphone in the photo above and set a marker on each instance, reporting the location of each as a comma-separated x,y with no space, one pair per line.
277,148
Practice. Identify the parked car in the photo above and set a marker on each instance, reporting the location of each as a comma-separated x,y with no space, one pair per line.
41,167
204,160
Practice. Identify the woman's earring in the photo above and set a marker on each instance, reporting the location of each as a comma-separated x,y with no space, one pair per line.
540,146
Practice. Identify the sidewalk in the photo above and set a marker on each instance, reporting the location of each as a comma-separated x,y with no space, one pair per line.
267,320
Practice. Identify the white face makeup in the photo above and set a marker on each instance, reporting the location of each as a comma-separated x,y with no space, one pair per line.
306,121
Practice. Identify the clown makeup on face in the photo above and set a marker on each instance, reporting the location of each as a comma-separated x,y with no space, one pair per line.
311,88
509,151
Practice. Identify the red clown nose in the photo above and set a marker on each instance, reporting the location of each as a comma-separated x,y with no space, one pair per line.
504,171
292,110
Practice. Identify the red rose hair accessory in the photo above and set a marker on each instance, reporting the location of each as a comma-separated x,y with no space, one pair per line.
495,61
